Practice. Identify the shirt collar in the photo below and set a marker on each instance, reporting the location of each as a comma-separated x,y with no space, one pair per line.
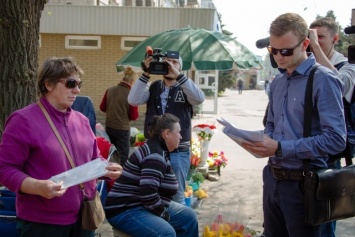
304,67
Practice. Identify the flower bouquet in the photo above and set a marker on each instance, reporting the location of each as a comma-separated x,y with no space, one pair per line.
216,160
204,131
229,223
136,137
194,158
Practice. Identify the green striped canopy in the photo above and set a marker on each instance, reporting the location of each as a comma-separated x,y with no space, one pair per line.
199,48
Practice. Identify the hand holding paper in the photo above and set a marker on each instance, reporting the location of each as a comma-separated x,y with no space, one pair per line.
241,136
83,173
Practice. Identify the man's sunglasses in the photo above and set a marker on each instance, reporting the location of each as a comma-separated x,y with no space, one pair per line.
71,83
283,52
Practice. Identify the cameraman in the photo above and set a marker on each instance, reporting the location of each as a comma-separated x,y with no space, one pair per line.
323,35
175,94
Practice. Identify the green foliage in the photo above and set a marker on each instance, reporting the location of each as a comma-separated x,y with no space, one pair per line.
208,92
226,79
198,177
224,31
140,137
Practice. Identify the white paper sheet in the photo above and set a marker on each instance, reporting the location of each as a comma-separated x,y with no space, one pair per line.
240,135
81,174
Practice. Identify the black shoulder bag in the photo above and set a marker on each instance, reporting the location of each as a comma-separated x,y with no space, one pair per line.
329,194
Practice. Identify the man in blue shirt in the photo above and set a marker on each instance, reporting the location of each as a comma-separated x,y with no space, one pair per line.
283,199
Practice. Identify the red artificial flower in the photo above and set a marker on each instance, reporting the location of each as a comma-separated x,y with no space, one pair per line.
138,143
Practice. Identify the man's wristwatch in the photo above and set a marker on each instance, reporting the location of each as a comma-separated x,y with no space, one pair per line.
278,152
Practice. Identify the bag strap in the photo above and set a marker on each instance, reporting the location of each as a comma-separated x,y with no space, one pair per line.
58,136
308,105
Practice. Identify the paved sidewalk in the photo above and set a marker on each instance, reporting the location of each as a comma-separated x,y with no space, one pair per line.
240,184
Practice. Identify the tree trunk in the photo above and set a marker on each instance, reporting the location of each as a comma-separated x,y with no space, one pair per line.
19,34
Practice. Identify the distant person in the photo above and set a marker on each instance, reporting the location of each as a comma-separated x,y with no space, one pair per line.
266,84
323,35
240,84
30,154
267,90
284,144
119,113
140,201
84,105
175,94
251,84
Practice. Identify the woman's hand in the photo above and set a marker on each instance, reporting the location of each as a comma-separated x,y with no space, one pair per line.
114,171
44,188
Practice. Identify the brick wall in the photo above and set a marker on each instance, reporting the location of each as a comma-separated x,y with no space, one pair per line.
98,65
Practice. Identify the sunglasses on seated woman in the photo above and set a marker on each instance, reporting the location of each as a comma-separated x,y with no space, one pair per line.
71,83
283,52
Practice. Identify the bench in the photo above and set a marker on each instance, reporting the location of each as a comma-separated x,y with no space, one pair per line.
118,233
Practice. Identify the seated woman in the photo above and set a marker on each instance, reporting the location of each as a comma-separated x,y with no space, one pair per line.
140,201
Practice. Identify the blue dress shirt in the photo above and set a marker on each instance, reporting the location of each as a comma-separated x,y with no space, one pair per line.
286,116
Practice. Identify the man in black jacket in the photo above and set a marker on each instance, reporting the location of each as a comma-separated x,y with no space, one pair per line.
175,94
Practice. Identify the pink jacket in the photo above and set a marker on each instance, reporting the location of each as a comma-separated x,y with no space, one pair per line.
30,148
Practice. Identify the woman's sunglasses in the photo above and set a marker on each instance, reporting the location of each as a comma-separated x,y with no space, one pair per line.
283,52
71,83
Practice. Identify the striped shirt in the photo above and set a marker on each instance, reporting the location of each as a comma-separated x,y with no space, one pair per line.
147,180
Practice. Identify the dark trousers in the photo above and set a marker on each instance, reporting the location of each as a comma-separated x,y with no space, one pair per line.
328,229
120,138
34,229
283,208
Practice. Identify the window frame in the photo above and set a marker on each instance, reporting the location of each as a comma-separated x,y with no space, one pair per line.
82,37
123,39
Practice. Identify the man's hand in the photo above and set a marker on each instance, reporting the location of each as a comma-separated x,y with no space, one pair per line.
313,37
265,148
145,65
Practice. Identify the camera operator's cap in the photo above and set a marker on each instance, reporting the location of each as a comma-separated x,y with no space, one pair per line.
180,61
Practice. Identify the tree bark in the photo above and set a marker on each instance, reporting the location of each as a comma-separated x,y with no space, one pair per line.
19,34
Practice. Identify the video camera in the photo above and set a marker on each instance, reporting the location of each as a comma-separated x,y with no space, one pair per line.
351,30
157,66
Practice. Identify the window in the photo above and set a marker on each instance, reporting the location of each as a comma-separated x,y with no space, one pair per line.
82,42
128,43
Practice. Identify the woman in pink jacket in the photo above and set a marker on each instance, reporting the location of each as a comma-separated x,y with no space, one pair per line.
30,155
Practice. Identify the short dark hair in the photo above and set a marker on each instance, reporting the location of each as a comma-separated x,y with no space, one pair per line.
158,123
55,69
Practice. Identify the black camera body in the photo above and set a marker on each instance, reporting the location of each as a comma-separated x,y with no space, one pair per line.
157,66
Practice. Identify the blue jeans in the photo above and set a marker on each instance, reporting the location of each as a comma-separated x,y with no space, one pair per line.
121,139
328,229
283,208
180,161
141,222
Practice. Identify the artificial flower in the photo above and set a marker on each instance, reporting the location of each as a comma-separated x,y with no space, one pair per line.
136,137
195,147
217,159
194,161
204,131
